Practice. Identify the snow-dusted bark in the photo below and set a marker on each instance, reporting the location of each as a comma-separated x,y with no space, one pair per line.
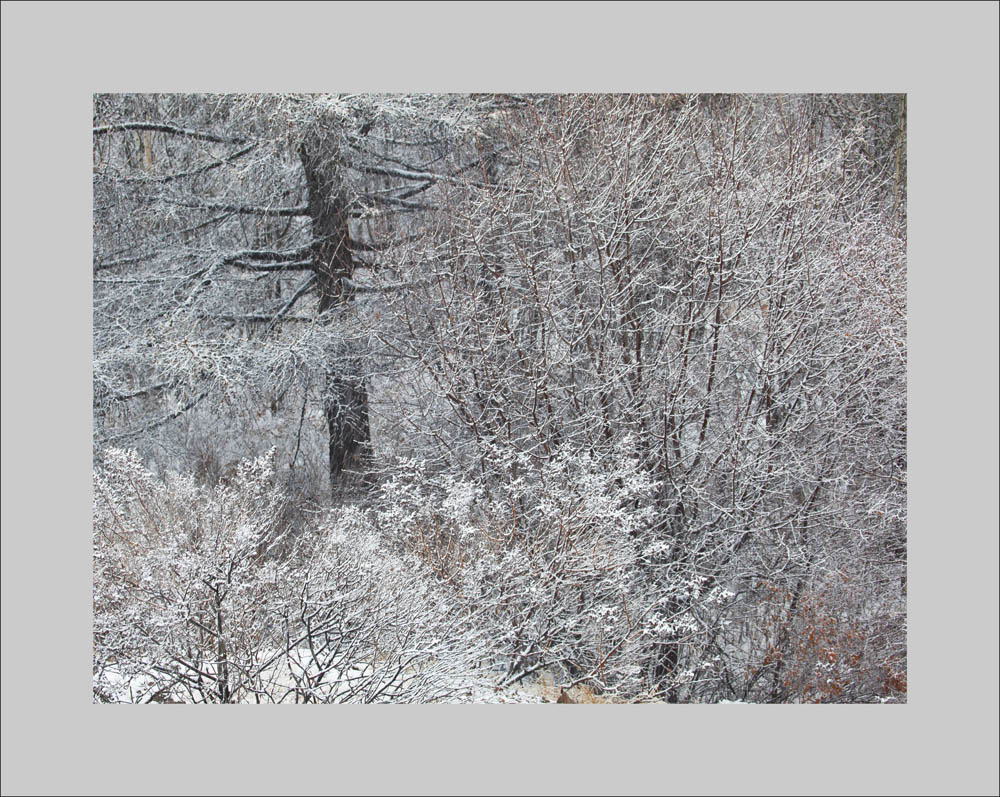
624,377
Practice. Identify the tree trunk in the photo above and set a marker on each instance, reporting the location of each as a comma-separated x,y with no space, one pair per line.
345,395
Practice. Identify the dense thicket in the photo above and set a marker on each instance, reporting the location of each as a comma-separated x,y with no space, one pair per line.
609,388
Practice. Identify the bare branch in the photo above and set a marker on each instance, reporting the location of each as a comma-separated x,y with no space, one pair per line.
159,127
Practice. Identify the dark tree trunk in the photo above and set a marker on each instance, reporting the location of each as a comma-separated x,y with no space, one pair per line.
665,669
347,420
346,395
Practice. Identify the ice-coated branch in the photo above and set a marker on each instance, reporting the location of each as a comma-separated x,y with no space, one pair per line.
159,127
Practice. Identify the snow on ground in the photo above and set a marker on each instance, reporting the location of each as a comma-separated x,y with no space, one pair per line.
119,688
